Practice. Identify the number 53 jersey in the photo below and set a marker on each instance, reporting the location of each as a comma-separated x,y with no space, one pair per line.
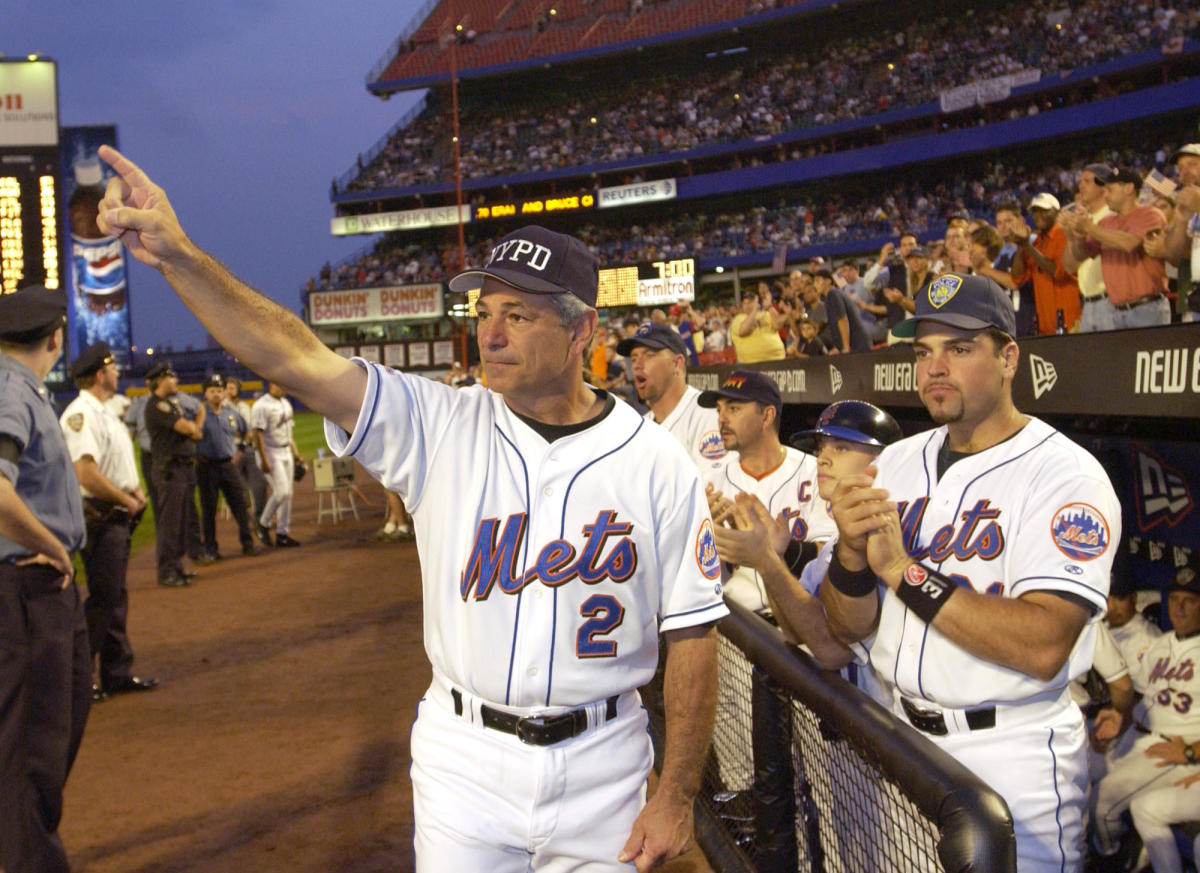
1035,512
548,568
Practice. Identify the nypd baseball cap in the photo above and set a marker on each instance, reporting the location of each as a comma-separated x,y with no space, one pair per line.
653,336
965,302
90,360
745,385
1187,577
538,261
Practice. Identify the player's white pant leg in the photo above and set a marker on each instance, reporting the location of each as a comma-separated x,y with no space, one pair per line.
1128,776
1155,811
277,510
1041,772
483,800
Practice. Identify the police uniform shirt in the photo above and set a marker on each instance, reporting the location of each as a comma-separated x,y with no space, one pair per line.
43,475
165,441
221,429
135,417
90,428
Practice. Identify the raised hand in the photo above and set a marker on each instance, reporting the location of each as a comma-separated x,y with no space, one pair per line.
138,212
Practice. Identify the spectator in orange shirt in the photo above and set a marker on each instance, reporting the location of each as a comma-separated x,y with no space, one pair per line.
1134,281
1055,291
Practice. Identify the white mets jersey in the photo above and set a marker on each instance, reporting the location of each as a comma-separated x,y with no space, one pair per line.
1033,513
1171,681
697,430
548,568
274,417
791,489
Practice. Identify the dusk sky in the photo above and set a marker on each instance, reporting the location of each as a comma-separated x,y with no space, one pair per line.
243,112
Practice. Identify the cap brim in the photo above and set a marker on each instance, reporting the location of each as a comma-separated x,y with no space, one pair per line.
469,280
627,345
907,329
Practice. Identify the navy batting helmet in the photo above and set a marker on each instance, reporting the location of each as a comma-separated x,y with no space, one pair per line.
854,420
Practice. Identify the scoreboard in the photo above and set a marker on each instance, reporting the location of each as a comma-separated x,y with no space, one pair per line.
30,218
30,205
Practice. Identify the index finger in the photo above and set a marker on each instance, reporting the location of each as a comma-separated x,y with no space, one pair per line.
123,167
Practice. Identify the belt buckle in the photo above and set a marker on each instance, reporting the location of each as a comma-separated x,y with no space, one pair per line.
538,730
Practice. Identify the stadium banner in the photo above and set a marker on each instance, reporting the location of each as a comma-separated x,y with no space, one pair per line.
28,104
408,219
1153,372
98,305
639,192
653,284
986,91
359,305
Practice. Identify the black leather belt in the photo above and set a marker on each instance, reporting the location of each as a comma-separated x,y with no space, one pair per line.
1149,298
537,730
1095,298
933,722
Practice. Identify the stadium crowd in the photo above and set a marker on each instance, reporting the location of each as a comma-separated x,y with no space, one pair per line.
755,97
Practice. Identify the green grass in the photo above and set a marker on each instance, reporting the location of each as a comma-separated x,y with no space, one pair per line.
309,435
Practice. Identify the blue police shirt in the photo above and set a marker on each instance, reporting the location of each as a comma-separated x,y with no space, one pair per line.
44,477
221,432
135,415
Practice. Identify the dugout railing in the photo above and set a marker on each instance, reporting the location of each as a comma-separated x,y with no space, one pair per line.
808,775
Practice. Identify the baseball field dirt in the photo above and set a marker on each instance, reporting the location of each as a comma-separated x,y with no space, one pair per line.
278,739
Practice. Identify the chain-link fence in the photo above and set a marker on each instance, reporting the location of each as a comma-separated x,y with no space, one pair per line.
808,774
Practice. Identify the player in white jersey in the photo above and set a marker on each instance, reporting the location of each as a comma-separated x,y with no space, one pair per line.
748,407
272,419
558,536
1144,780
994,535
659,364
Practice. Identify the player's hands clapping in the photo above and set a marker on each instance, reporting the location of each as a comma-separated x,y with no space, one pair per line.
138,212
886,554
755,538
857,507
720,507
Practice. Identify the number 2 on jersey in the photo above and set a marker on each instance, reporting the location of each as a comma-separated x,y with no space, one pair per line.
603,613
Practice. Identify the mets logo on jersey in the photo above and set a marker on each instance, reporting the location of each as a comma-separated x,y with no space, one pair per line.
941,290
1080,531
706,551
712,446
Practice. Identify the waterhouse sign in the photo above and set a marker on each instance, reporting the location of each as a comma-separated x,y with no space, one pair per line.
375,304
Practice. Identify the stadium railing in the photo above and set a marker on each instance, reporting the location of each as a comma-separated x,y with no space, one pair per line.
806,773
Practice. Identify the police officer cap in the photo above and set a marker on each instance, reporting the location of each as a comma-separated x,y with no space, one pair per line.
30,313
90,360
216,380
159,370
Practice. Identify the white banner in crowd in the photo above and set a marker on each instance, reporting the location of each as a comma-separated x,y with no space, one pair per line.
375,304
987,91
639,192
409,219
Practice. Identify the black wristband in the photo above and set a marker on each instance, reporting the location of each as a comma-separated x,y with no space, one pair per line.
925,591
852,583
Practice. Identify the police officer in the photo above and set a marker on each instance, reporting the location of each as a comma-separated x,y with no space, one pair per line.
102,453
45,677
173,444
216,473
135,418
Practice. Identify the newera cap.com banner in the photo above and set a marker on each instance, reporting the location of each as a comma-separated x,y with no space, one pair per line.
99,289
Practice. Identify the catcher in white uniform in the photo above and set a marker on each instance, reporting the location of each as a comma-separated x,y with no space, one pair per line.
272,419
994,535
1166,747
658,360
558,535
748,407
